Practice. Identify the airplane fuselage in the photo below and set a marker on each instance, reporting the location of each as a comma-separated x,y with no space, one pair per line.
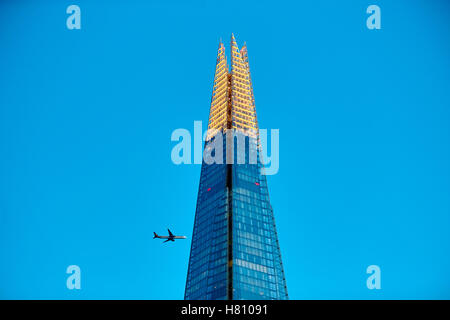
170,237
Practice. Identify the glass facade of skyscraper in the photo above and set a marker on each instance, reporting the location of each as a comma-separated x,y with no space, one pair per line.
234,252
257,268
207,276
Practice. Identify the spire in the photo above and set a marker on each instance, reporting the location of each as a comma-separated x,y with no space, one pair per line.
220,95
244,50
232,102
242,106
234,49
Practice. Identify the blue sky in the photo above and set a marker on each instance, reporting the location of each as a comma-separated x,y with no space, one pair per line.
86,117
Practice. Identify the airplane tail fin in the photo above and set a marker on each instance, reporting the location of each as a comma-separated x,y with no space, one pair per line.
155,235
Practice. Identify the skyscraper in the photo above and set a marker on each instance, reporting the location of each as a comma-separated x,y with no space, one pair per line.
234,252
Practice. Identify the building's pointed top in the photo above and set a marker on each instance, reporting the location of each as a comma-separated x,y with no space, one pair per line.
244,48
233,39
234,46
221,47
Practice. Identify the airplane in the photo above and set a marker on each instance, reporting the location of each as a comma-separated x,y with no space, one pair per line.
170,237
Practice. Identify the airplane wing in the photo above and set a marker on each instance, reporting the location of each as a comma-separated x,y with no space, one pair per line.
170,233
166,240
